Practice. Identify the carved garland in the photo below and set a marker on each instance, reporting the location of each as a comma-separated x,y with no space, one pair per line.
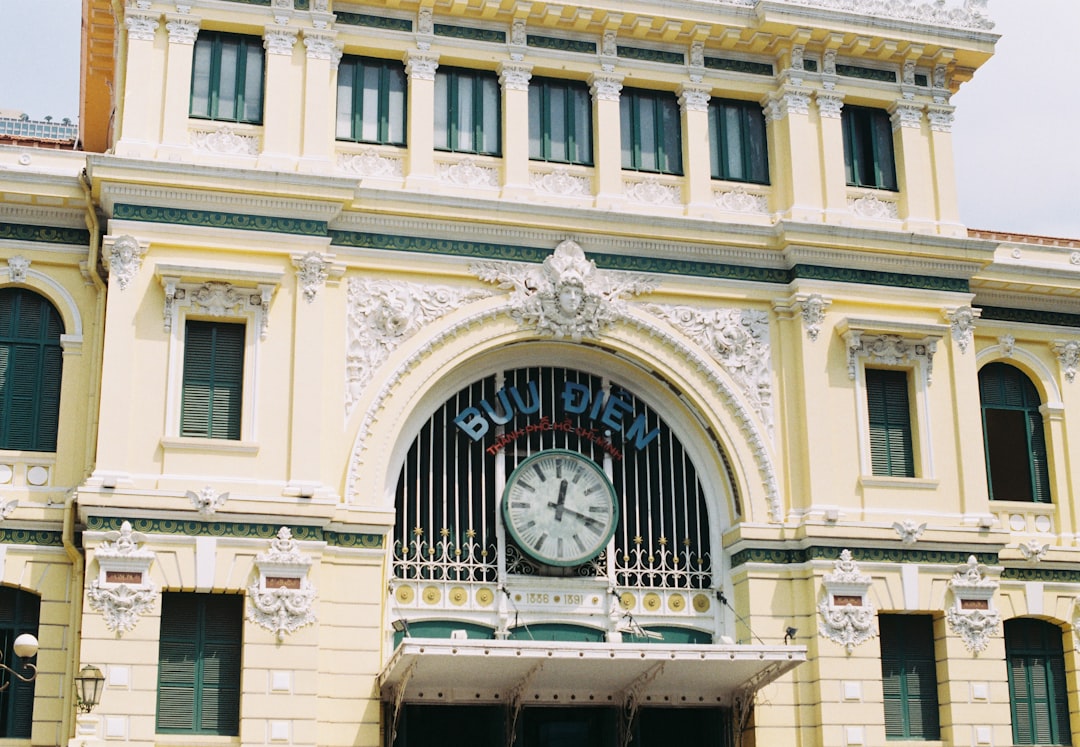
281,598
846,612
972,615
123,589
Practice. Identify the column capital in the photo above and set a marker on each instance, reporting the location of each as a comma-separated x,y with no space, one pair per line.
182,28
694,98
278,40
906,114
788,100
320,44
829,104
515,76
605,86
421,65
140,25
941,117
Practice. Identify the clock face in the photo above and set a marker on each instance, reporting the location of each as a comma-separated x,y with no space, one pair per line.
560,507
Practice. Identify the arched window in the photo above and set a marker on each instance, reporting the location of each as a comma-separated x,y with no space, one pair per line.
1016,463
1037,689
18,614
30,366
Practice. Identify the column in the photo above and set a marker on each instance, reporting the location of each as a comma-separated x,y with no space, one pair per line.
514,78
139,119
420,66
697,161
834,178
943,168
281,115
913,173
794,142
183,30
607,140
317,143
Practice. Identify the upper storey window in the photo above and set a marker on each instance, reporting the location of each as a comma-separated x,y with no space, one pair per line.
30,365
737,144
371,101
868,148
213,380
1016,461
560,122
891,450
467,111
227,78
651,131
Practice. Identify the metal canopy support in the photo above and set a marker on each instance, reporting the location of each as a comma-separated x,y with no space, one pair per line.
631,700
514,700
742,701
399,699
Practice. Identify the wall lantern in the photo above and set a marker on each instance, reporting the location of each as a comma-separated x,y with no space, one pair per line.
89,683
26,647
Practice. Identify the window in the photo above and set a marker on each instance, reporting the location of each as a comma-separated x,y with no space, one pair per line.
227,78
868,148
1015,444
213,380
371,101
18,614
560,121
199,664
737,141
31,362
890,423
909,677
651,131
1037,689
467,111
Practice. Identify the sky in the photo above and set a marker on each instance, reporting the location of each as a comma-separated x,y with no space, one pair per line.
1016,135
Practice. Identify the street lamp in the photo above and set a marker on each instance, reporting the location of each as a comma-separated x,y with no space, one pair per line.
26,647
88,685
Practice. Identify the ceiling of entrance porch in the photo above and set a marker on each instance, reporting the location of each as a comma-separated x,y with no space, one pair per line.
479,671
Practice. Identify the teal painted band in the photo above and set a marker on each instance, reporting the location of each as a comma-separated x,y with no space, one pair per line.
866,73
31,537
651,55
468,32
235,529
738,66
782,556
47,234
376,22
561,45
1029,316
211,219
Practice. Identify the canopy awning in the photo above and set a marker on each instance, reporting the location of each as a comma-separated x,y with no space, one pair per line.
429,670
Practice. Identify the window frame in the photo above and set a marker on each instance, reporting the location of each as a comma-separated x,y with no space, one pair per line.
1036,446
751,117
450,140
222,376
869,146
631,103
352,71
41,418
909,652
248,47
194,644
889,418
541,89
1056,679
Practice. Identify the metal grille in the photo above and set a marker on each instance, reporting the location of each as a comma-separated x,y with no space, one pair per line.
450,486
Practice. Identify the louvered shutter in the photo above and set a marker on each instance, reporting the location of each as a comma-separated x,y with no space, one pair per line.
31,363
220,702
213,380
1036,666
19,612
909,677
891,450
178,654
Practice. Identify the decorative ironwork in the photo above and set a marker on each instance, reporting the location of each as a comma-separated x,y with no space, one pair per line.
446,558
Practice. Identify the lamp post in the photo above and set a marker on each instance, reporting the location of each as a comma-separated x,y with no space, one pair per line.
26,647
88,685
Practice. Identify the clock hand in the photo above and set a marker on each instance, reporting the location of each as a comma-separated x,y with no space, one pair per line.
560,506
559,510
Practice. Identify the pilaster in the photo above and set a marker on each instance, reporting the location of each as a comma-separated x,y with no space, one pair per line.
694,102
913,168
420,66
138,133
943,167
830,105
514,79
183,30
607,139
798,154
321,61
281,116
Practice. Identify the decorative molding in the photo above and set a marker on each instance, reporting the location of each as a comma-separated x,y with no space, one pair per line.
972,615
421,65
17,267
909,531
207,501
1007,343
141,26
515,76
962,325
182,29
282,598
738,200
468,173
813,313
887,554
280,41
605,86
275,223
123,590
830,104
370,163
846,612
312,272
217,299
789,100
694,98
559,181
652,191
7,508
1033,550
320,44
737,339
224,140
194,528
567,297
124,255
869,206
889,350
1068,355
941,117
971,15
696,61
382,314
905,114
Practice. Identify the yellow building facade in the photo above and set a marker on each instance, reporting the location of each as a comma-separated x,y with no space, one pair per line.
521,373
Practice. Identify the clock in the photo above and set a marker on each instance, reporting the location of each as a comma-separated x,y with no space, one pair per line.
560,507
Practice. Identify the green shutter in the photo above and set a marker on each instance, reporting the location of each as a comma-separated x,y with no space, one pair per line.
199,664
31,364
211,402
1037,689
1004,387
909,677
891,451
19,611
869,158
227,78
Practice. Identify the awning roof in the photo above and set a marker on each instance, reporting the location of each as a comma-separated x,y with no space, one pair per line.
485,671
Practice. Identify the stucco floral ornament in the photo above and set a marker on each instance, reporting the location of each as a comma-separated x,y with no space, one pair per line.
972,615
124,254
207,501
282,597
123,590
311,273
566,297
846,612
